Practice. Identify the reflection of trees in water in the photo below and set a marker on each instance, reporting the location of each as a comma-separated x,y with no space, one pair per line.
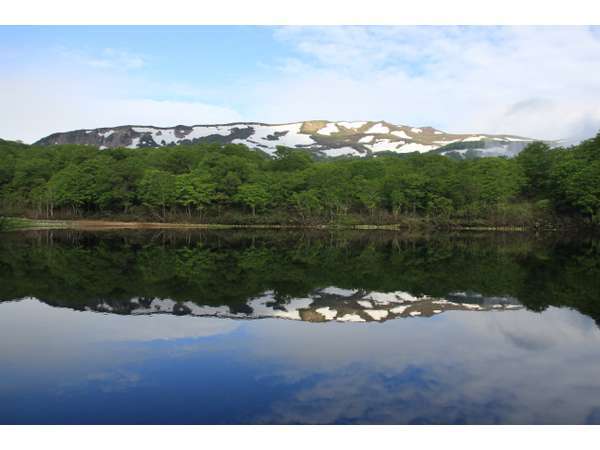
229,267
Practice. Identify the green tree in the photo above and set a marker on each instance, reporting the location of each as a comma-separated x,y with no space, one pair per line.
367,193
157,190
253,195
535,162
71,187
194,192
307,203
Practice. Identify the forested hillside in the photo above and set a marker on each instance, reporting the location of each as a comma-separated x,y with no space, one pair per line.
231,184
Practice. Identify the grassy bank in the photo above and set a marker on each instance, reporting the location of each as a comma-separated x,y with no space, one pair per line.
21,223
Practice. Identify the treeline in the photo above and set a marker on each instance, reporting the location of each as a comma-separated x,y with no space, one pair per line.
230,183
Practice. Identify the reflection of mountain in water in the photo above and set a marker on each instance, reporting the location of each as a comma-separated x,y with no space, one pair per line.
324,305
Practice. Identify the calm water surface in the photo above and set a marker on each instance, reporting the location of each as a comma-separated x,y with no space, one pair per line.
291,327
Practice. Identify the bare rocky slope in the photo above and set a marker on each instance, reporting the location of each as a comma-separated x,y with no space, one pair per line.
322,137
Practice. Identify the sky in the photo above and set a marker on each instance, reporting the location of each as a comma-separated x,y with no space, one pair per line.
538,82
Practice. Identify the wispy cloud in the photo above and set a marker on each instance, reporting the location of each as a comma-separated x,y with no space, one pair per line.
458,78
107,58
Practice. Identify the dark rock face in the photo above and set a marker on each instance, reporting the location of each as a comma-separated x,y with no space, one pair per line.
100,137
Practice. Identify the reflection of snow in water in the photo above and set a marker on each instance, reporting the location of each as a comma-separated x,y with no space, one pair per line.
329,314
350,318
332,304
338,291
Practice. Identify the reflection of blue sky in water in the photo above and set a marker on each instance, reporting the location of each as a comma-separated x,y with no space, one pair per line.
60,365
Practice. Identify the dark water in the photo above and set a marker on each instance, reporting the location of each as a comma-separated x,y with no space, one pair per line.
282,327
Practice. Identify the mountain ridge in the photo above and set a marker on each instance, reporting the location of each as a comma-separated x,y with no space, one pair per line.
326,138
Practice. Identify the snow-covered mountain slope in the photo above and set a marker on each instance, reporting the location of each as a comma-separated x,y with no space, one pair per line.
326,138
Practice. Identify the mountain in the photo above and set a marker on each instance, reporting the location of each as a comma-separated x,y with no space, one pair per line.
323,137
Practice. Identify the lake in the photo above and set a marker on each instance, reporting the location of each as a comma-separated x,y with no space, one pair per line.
293,327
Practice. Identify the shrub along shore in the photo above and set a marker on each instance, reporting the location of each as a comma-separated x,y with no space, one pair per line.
23,223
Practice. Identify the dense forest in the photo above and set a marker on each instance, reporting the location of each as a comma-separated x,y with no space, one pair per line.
230,183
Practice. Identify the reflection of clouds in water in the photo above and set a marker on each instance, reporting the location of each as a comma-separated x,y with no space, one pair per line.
471,367
463,368
411,395
109,381
31,324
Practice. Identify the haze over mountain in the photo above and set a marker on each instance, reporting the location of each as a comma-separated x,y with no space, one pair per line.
355,138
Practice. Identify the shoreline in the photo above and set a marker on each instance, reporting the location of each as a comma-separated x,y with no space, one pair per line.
23,224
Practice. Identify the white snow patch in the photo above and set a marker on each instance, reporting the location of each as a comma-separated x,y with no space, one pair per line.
474,138
471,305
338,291
206,310
416,130
165,137
106,133
516,139
204,131
399,309
414,313
351,318
445,302
326,312
437,311
415,147
144,129
377,314
385,298
407,297
378,128
384,145
401,134
134,143
329,129
333,152
366,139
352,125
446,142
365,303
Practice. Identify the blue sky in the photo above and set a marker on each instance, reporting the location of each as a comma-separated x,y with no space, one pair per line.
540,82
199,58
